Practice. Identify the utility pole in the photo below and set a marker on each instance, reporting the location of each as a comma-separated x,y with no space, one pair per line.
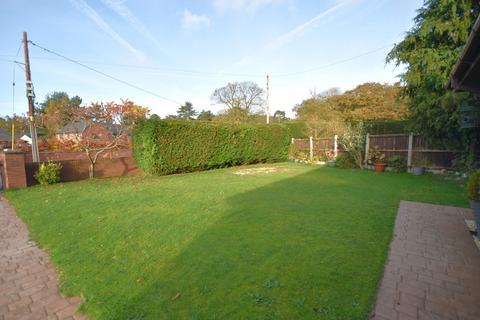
30,97
268,99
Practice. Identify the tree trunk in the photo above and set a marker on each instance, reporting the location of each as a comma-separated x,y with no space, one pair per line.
91,170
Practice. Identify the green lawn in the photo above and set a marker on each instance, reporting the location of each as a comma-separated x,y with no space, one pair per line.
302,243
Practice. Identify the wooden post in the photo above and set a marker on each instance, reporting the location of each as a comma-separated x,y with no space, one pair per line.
31,105
311,148
293,140
410,151
367,147
335,146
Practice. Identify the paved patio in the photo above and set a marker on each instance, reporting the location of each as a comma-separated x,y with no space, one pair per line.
433,268
28,281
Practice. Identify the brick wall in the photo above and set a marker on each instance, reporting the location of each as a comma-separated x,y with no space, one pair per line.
18,169
62,156
13,170
74,170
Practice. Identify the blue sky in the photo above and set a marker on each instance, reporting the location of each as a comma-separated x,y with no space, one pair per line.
184,50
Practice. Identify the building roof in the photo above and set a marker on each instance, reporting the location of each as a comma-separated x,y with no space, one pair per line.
73,127
466,73
80,125
7,136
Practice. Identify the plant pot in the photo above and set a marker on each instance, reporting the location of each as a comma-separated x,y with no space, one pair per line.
331,163
417,171
379,167
475,205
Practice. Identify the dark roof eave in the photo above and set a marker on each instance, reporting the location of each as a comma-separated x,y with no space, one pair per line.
469,60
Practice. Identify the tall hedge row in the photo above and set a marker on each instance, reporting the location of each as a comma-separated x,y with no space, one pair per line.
169,146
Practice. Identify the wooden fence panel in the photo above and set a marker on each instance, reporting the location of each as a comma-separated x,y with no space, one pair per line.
422,153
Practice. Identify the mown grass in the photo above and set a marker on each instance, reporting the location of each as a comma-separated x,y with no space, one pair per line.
303,243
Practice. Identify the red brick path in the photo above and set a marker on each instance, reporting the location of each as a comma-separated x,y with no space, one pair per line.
433,268
28,281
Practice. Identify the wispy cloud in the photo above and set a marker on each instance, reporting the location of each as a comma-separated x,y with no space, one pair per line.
192,21
242,5
289,36
123,11
93,15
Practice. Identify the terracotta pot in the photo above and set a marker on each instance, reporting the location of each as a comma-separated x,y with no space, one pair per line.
379,167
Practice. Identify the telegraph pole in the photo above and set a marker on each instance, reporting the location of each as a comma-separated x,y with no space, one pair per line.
268,99
30,97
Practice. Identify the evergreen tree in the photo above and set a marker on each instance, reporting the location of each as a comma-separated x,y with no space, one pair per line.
186,111
205,115
429,52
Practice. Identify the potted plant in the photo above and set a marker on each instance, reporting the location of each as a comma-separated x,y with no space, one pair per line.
330,156
419,168
377,159
473,192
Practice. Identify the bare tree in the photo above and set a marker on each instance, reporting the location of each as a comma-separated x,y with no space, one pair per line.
240,97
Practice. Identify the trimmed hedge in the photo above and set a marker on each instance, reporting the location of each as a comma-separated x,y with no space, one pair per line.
388,126
169,146
297,129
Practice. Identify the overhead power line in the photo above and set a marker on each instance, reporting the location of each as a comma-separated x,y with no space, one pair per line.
213,74
333,63
104,74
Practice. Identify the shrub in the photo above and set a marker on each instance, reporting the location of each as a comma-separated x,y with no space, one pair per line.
353,141
473,187
345,161
375,156
169,146
48,173
397,164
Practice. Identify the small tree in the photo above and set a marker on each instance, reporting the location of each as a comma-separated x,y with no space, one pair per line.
104,127
279,116
186,111
353,141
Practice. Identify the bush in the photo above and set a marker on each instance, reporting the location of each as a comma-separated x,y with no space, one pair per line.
48,173
169,146
353,141
345,161
388,126
297,129
473,187
397,164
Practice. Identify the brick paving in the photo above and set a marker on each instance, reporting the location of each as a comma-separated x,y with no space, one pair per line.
28,281
433,267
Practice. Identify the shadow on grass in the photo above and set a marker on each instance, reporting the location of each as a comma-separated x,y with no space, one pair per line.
308,247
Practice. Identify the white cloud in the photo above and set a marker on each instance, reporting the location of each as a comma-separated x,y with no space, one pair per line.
93,15
192,21
123,11
242,5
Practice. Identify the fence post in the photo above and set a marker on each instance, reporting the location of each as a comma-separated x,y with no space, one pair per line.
311,148
410,146
367,147
335,146
293,140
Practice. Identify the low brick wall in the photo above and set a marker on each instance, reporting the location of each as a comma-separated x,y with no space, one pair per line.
12,166
62,156
18,169
74,170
